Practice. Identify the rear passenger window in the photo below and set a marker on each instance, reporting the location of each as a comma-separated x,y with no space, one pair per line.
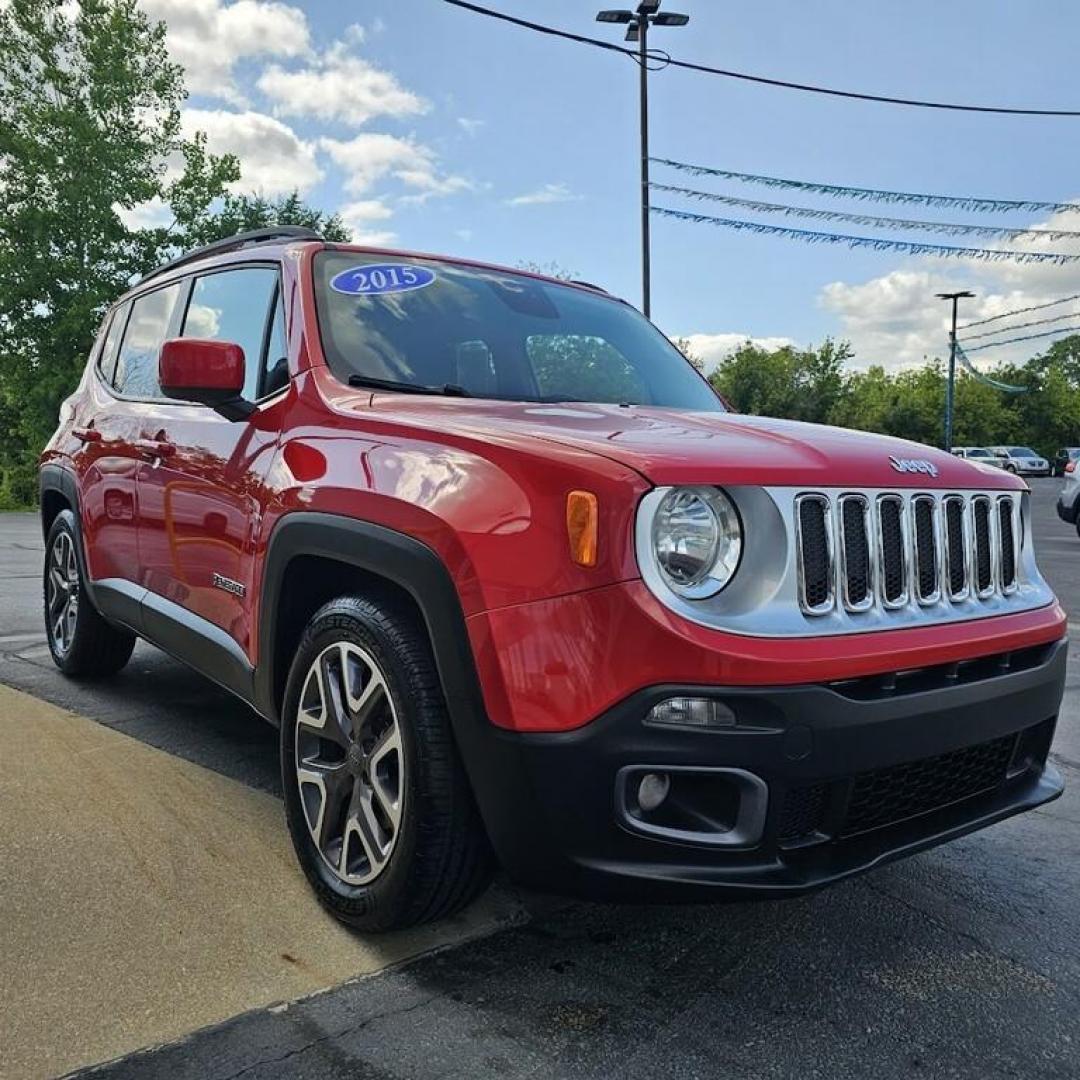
233,306
137,366
107,359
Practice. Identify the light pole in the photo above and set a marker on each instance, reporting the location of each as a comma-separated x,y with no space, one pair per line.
955,297
647,14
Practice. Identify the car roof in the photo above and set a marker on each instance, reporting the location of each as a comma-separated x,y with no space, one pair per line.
271,242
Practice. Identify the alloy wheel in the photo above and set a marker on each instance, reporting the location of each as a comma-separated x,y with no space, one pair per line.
350,765
63,592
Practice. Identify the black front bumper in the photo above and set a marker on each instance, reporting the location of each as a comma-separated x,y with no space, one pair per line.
837,778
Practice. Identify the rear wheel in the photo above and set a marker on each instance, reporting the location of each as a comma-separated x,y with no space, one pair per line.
82,643
378,805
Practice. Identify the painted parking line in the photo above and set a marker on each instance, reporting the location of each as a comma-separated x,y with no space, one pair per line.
143,897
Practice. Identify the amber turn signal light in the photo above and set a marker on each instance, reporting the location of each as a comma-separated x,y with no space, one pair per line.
582,526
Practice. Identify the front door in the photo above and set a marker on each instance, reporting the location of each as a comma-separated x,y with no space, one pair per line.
202,488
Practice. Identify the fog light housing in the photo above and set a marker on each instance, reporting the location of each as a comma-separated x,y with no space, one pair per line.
691,712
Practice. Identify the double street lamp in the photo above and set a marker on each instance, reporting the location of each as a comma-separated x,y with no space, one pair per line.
950,386
637,22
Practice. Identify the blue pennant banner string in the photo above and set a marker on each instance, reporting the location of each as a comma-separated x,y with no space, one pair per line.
998,232
1027,337
969,367
808,236
960,202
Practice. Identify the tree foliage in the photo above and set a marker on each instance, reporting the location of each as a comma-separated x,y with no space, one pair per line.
89,132
814,385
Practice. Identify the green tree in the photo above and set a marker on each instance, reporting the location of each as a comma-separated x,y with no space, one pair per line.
799,384
89,120
239,213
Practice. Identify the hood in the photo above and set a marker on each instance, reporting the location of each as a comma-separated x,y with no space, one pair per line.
669,446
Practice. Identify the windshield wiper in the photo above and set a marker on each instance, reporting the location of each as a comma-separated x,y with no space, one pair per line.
372,383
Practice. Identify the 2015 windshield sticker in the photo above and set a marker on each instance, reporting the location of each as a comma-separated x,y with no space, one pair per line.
383,278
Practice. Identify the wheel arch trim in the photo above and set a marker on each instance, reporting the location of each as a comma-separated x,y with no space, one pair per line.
385,553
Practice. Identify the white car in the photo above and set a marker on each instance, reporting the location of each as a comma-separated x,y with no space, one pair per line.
1021,460
981,454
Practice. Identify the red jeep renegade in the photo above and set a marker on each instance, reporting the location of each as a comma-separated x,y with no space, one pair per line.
515,586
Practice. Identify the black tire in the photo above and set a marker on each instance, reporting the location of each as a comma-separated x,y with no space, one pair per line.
87,646
1010,468
439,858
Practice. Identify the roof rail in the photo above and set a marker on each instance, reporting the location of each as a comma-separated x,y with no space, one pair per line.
589,285
235,243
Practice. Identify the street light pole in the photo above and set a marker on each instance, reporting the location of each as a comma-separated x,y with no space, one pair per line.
646,239
955,297
637,30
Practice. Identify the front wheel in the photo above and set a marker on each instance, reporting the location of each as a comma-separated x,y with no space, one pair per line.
378,805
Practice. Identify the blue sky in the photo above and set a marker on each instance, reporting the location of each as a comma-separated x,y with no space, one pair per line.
435,129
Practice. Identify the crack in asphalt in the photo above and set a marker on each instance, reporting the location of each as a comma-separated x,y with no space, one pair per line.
334,1035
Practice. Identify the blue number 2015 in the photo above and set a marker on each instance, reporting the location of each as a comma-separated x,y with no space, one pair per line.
383,278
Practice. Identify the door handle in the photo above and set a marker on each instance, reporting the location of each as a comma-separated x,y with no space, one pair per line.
86,434
153,450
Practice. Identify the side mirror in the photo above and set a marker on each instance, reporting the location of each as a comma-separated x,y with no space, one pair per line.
207,372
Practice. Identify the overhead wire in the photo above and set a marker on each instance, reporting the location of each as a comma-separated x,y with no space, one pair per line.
1023,326
1026,337
763,80
1019,311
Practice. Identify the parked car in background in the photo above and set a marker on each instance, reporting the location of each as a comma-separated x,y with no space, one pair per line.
977,453
1021,460
1066,456
1068,502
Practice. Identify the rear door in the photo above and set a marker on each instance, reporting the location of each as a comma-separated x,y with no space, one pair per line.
108,425
202,494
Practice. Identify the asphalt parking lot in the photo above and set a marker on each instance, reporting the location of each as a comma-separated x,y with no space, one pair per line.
961,962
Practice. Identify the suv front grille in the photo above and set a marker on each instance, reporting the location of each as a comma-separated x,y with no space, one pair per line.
899,551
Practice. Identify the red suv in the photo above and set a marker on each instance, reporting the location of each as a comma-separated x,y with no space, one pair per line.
515,586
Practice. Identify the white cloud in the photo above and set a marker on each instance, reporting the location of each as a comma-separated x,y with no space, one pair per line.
469,126
896,320
358,217
274,160
339,86
549,193
372,156
714,348
208,38
154,214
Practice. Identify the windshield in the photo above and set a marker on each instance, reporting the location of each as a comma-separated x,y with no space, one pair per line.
445,327
1021,451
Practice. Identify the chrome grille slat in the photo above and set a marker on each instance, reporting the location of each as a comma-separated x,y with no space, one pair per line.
982,546
893,551
816,563
926,575
955,546
902,550
856,553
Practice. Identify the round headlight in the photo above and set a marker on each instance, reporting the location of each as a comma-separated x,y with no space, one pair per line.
697,541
